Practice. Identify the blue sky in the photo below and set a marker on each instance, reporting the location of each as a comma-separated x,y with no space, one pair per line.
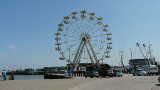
27,27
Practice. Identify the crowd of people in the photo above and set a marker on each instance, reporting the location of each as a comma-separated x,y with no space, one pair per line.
4,76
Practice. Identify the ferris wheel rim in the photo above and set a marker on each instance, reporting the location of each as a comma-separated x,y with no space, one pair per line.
62,25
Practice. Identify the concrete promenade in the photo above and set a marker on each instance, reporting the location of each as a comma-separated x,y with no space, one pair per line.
127,82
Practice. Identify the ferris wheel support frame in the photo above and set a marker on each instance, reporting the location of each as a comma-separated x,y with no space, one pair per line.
83,44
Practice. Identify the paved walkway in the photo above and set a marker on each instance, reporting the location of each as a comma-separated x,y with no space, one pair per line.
125,83
128,82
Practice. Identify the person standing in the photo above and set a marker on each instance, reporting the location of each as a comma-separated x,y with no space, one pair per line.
11,76
0,75
85,75
4,75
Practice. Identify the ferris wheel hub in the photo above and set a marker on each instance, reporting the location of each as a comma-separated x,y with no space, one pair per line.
85,37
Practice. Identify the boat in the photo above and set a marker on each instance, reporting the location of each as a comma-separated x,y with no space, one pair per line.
55,76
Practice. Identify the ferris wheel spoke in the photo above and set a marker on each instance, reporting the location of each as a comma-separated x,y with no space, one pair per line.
68,42
100,35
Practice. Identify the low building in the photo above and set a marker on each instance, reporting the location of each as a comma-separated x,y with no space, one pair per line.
87,67
54,69
141,62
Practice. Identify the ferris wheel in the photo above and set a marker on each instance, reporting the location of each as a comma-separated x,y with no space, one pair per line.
81,35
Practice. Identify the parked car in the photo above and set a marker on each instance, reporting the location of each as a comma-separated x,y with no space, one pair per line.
139,72
118,73
92,74
110,72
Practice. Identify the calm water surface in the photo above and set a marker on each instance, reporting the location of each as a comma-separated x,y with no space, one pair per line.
28,77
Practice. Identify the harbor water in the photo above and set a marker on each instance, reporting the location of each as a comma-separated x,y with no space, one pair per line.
28,77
